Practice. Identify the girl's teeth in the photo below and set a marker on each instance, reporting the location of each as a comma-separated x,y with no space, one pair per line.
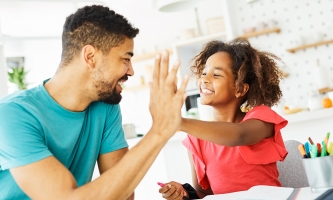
207,91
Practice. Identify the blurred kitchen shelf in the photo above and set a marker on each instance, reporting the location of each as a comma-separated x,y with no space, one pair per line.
136,88
293,50
307,115
147,56
200,40
263,32
324,90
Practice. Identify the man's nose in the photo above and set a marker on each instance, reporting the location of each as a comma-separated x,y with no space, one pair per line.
130,71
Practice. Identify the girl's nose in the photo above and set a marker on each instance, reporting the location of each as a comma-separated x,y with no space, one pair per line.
205,79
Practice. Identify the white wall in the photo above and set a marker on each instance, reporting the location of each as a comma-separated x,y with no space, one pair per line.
41,57
3,74
297,18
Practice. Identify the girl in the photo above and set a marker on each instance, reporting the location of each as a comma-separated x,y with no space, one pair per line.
239,149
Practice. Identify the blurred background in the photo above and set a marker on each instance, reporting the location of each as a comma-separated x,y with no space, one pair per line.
298,31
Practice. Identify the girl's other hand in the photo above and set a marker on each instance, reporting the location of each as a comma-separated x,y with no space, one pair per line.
173,191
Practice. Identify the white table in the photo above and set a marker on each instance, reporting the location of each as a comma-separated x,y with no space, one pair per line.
304,194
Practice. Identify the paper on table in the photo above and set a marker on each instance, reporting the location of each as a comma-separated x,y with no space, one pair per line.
259,192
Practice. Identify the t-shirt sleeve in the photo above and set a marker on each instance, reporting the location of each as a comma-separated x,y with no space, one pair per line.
193,145
21,140
268,150
113,134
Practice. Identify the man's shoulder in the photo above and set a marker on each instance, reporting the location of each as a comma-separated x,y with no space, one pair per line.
21,94
20,98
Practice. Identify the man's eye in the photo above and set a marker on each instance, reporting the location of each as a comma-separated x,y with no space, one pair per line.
217,75
127,59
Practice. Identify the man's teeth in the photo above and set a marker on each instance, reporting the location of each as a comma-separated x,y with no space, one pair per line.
121,83
206,91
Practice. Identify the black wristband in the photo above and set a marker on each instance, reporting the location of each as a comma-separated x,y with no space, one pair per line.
192,193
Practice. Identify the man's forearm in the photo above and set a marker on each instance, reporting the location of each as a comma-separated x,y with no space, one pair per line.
120,181
131,197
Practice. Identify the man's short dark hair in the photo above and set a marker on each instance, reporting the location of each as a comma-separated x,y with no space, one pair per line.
95,25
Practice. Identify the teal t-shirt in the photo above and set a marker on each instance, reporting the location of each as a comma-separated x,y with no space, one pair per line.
34,126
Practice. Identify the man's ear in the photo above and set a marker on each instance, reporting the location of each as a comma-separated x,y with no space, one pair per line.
243,90
88,55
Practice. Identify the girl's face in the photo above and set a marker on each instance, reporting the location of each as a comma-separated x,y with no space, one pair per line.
217,83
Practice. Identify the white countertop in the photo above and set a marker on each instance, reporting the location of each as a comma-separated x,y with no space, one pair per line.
309,115
178,137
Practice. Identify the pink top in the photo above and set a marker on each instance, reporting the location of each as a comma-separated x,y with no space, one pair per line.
231,169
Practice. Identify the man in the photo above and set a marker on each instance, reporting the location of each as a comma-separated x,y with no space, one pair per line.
52,135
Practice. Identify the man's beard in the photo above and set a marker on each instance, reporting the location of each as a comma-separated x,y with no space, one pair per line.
104,95
113,98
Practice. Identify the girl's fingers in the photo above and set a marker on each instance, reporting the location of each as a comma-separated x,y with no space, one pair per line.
168,191
164,189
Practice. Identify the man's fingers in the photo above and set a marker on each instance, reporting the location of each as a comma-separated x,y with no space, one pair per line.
164,67
156,72
172,77
182,87
184,97
175,87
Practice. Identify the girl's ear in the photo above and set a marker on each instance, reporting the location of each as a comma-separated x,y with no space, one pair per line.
242,91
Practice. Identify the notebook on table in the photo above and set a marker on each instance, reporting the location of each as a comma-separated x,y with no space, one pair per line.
328,195
259,192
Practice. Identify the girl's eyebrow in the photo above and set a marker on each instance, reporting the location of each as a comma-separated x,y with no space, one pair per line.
215,68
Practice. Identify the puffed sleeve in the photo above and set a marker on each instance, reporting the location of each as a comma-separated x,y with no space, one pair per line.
268,150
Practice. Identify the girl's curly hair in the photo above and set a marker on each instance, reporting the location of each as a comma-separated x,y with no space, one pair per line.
249,65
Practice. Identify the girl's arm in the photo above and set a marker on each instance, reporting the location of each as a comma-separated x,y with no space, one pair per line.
248,132
200,192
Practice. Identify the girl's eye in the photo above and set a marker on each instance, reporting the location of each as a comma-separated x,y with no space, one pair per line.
203,74
217,75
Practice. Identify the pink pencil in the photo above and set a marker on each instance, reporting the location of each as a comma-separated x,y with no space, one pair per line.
160,184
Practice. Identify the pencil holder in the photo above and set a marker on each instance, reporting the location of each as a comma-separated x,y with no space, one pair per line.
319,172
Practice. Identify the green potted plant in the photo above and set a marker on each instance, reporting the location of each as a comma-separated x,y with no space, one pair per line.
16,76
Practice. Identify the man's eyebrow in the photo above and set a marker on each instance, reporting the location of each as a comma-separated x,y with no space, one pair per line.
130,53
